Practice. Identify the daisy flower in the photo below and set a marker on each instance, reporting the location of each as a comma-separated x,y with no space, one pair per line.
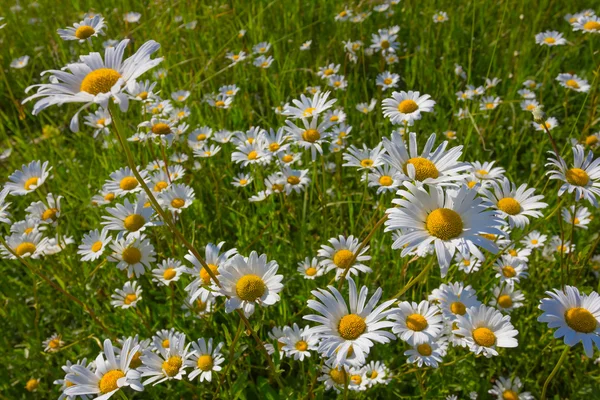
251,153
123,182
215,260
334,377
168,271
510,270
250,281
53,343
64,383
205,359
433,167
583,178
128,219
307,107
242,180
95,81
549,124
534,240
557,245
93,244
377,373
327,71
366,108
341,327
84,30
306,45
180,95
297,342
32,245
163,338
416,323
263,62
261,48
229,90
486,171
141,90
454,299
99,120
440,16
46,212
506,298
452,220
168,363
111,374
550,38
20,62
4,214
338,82
428,354
311,136
529,105
133,253
489,103
576,316
128,296
340,255
406,107
508,388
485,329
132,17
310,268
387,80
28,178
384,41
274,141
177,197
468,264
579,217
364,158
573,82
587,24
276,334
384,178
236,57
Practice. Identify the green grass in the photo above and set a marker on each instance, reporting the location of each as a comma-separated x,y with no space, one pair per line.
488,38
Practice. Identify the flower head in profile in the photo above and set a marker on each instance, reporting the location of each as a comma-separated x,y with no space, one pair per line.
84,30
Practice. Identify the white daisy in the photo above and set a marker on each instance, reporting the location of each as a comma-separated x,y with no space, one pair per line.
205,359
417,323
427,353
377,373
509,389
486,171
364,158
84,30
406,106
298,342
28,178
202,286
170,363
311,136
128,296
310,268
507,298
550,38
242,180
384,178
510,270
454,299
387,80
128,219
53,343
579,217
549,124
340,256
32,245
534,240
587,24
20,62
177,197
133,254
46,212
169,270
93,244
573,82
307,107
123,182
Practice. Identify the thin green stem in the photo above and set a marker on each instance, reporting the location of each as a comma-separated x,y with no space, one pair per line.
561,360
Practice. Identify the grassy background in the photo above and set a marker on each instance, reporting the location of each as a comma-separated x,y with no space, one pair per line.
488,38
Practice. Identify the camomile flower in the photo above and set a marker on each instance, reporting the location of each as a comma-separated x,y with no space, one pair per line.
587,24
158,107
432,166
573,82
581,218
583,178
160,128
99,120
177,197
306,45
27,226
416,323
534,240
128,296
180,95
491,83
440,16
387,80
406,107
335,377
65,384
20,62
340,256
274,183
296,180
489,103
263,62
197,308
215,260
312,89
250,281
513,204
529,105
53,343
485,329
550,38
32,245
377,373
275,141
123,182
327,71
507,298
169,270
454,299
4,214
341,327
343,15
468,264
261,48
84,30
163,338
132,17
242,180
93,245
364,158
384,178
141,90
576,315
427,353
384,41
219,101
486,171
366,108
46,212
168,363
549,124
510,270
199,136
111,374
229,90
593,140
311,135
236,57
509,389
558,245
288,157
205,359
310,268
95,81
133,253
297,342
251,153
276,334
450,219
28,178
307,107
128,219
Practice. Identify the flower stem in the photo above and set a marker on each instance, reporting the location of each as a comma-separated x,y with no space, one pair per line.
561,360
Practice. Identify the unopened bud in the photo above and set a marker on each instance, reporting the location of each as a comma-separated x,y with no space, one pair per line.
538,113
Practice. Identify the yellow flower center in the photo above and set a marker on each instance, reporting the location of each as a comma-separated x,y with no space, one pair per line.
505,301
310,271
509,206
482,172
572,83
252,155
160,186
220,103
580,320
386,180
169,274
338,376
328,72
550,40
250,287
99,81
510,395
490,106
161,128
165,343
205,276
334,118
458,308
387,81
424,168
444,224
235,57
108,382
110,196
513,252
205,362
132,255
243,181
484,337
50,214
374,374
97,246
351,326
366,163
130,298
25,248
301,345
30,182
342,258
84,32
201,137
172,365
311,135
508,271
534,241
407,106
177,202
54,343
277,187
143,95
576,221
356,379
385,44
128,183
309,111
133,222
32,384
273,147
135,360
416,322
293,180
577,177
424,349
591,26
591,140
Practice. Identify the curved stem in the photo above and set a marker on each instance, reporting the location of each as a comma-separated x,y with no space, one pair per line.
561,360
412,282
